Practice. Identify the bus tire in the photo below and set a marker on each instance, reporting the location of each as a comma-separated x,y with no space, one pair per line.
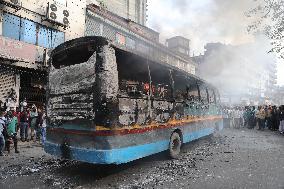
175,145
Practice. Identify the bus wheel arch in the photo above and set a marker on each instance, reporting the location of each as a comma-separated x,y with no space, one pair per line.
176,141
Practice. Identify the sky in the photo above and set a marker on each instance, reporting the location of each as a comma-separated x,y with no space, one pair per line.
204,21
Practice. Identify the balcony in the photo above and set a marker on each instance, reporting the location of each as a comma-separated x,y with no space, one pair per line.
22,54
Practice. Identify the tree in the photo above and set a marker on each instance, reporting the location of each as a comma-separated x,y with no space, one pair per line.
268,16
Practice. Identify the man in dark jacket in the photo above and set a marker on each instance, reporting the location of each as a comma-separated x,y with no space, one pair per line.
274,117
251,118
281,119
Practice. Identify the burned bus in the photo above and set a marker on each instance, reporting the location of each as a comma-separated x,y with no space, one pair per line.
107,105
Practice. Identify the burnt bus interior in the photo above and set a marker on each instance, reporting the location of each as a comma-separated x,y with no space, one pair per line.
149,92
153,92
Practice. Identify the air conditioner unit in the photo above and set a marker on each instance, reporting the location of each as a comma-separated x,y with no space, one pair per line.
15,2
57,14
12,3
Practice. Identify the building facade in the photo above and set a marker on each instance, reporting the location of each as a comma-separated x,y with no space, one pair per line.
179,45
30,29
134,37
134,10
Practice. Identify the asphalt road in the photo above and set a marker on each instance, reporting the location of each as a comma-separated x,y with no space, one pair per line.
230,159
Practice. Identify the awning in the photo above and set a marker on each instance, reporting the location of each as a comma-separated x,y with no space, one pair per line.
19,67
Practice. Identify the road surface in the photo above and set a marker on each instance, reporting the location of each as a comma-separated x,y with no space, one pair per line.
230,159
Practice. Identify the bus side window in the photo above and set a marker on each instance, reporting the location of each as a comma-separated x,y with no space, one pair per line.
180,86
203,94
161,82
211,95
133,75
217,96
192,91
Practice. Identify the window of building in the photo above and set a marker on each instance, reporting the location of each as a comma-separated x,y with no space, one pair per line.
11,26
31,32
49,38
28,31
61,2
130,43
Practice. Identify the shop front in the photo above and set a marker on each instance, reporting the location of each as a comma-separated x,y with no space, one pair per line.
22,73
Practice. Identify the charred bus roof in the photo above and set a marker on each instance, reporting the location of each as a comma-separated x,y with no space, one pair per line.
69,49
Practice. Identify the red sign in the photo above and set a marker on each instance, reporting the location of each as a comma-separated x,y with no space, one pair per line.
17,50
120,39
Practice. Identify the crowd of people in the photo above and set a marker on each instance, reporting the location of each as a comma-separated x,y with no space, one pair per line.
28,123
261,117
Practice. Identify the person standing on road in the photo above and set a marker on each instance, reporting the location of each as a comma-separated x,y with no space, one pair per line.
38,123
274,117
268,117
42,126
237,118
17,114
2,130
24,125
281,119
246,117
242,121
33,119
226,119
261,118
230,117
233,114
251,118
12,122
257,116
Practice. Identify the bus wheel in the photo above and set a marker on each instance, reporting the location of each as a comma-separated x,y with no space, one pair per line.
175,145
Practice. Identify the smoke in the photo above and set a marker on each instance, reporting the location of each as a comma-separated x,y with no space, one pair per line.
202,21
241,72
242,67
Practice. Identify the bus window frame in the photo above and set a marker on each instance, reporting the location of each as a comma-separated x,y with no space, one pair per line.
210,89
143,83
199,84
170,98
